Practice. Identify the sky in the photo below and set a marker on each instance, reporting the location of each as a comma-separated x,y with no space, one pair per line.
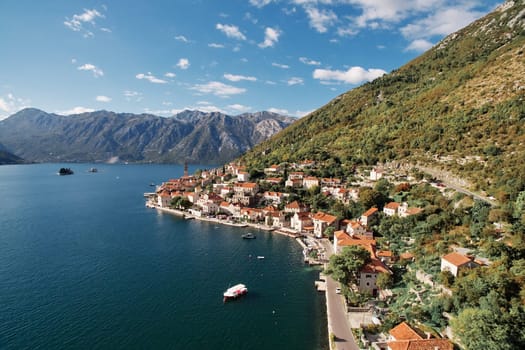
233,56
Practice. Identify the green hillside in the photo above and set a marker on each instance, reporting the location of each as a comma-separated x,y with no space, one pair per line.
458,107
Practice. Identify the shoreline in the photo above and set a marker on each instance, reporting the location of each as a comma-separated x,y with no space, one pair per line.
188,216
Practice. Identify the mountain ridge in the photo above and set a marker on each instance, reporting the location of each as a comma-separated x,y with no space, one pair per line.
459,106
98,136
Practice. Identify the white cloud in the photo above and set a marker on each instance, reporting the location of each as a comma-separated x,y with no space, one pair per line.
76,110
170,75
300,114
271,37
348,31
77,22
239,108
260,3
231,31
182,38
442,22
102,98
10,104
419,45
295,81
216,46
354,75
320,20
97,72
218,89
278,111
133,95
3,105
232,77
183,63
278,65
309,61
151,78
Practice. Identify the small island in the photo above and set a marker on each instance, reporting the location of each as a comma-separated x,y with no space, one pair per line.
65,171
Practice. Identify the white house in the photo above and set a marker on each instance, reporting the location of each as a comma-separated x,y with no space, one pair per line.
454,262
322,221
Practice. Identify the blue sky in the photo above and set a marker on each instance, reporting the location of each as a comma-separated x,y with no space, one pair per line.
233,56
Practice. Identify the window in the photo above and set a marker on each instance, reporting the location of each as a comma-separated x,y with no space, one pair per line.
368,276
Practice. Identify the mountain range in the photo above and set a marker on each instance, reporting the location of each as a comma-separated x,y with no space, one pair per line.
459,107
192,136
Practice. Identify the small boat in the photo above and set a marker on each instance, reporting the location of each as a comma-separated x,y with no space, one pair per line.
65,171
93,170
152,184
249,235
260,257
235,292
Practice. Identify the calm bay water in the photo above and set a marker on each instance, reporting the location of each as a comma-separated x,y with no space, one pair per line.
83,264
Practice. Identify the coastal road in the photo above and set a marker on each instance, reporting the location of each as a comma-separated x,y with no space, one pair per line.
337,318
338,323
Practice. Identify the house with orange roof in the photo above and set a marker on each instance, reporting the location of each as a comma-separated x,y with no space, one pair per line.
244,192
276,219
230,209
404,210
272,180
274,197
331,182
404,337
385,256
251,214
310,181
301,222
454,262
369,217
390,209
307,164
295,183
164,199
295,207
272,169
322,221
368,275
407,256
355,228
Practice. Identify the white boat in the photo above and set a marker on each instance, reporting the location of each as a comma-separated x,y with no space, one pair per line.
260,257
235,291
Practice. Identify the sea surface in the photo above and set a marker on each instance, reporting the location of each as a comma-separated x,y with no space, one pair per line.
85,265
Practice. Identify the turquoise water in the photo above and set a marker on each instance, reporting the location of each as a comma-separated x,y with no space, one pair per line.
84,265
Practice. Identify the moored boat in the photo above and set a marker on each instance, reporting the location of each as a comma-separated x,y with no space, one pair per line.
65,171
248,235
235,292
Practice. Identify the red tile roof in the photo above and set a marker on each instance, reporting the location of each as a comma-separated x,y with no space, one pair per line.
456,259
370,212
423,344
404,332
392,205
330,219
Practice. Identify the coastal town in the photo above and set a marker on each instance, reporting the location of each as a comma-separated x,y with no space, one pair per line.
369,214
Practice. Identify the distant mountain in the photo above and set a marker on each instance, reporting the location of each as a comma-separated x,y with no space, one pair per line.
7,157
458,107
193,136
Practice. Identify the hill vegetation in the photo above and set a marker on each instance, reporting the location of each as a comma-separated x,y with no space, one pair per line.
459,107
